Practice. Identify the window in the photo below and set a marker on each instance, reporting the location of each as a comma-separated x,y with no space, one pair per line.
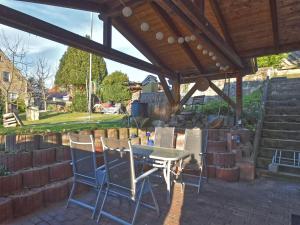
13,96
6,76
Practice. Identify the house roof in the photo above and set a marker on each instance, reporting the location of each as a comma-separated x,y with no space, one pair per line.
235,31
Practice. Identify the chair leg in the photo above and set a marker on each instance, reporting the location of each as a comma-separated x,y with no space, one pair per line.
153,197
97,201
102,206
138,202
71,193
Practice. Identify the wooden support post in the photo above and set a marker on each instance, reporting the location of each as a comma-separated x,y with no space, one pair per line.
107,28
176,95
222,95
239,97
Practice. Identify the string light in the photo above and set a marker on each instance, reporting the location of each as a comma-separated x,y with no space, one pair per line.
180,40
199,47
127,11
187,38
193,37
210,53
159,35
204,52
214,58
145,26
171,40
218,64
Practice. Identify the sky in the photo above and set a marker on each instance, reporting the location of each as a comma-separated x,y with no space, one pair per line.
75,21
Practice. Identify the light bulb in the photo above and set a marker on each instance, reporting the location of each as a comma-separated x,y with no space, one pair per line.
180,40
145,26
171,40
218,64
193,37
214,58
210,53
159,36
187,38
199,47
127,11
204,52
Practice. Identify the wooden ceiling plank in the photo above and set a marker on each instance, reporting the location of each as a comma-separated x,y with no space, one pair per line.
274,17
200,4
222,22
186,12
167,20
22,21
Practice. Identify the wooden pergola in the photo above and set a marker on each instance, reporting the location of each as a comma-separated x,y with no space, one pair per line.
234,31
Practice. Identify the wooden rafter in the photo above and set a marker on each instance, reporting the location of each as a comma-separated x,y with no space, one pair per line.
221,21
167,20
197,23
200,4
270,50
189,94
122,27
273,7
222,95
139,44
21,21
167,90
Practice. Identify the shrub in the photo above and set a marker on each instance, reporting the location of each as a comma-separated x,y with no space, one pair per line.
21,105
79,103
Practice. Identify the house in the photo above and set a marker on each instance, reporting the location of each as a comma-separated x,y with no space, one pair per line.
12,82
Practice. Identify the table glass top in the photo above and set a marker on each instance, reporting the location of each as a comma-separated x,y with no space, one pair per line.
155,152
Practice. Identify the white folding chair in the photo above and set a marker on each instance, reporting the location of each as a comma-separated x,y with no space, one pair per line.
196,143
123,182
85,169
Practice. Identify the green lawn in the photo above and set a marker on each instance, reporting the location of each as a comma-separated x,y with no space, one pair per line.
64,122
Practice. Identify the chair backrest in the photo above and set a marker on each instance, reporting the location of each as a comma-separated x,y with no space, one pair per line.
83,156
119,163
195,142
164,137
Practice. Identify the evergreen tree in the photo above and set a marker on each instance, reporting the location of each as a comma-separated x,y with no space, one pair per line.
115,87
74,69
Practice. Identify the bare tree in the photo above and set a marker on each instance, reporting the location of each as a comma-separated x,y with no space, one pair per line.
16,53
41,76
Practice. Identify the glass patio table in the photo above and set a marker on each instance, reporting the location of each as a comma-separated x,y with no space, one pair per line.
167,155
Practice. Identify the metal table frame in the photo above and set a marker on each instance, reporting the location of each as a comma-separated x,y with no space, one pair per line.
167,155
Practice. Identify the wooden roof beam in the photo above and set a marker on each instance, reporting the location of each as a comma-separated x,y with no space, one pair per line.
282,48
27,23
167,20
199,24
139,44
200,4
221,21
222,95
273,7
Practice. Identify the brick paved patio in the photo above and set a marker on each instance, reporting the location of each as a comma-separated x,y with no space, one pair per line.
262,202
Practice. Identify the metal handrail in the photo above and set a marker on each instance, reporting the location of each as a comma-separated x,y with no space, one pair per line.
260,121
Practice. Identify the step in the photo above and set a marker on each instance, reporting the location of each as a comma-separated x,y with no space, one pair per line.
289,103
283,110
282,118
278,175
281,125
286,96
269,152
281,134
280,143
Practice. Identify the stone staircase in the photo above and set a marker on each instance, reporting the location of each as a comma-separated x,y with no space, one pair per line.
281,128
